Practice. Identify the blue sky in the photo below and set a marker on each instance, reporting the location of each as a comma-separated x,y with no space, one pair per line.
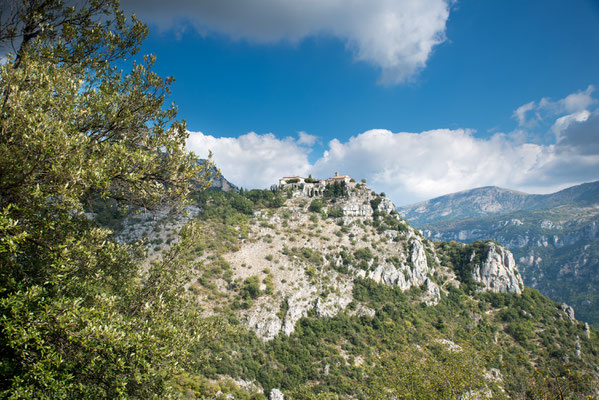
420,98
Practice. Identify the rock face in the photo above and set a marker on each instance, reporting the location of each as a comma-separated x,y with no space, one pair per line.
312,261
554,237
569,311
415,272
498,273
218,180
276,394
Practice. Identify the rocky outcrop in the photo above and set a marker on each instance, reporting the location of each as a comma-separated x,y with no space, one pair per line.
498,272
266,325
413,272
356,208
276,394
569,311
218,181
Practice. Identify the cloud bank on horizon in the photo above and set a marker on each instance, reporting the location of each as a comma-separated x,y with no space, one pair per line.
397,37
411,167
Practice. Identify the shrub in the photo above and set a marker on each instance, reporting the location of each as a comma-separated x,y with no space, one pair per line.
316,206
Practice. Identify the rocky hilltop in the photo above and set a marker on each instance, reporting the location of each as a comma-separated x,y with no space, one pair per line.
320,281
315,246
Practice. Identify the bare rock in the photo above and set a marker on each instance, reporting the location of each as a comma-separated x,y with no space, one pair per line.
569,311
498,273
276,394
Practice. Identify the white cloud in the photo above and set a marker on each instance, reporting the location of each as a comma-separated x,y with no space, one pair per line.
252,160
407,166
306,139
414,166
395,36
521,111
578,101
547,109
562,123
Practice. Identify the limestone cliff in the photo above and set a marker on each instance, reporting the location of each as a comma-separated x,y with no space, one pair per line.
498,272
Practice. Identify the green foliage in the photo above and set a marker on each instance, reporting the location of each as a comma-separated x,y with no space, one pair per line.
335,212
265,198
250,288
427,374
316,206
463,258
335,190
309,179
80,317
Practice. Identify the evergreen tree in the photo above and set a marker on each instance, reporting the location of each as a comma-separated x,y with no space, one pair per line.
80,318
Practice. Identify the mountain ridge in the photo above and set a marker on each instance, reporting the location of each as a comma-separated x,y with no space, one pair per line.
493,200
553,237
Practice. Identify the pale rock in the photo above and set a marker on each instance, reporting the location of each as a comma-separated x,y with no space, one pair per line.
356,208
266,324
220,394
498,273
449,345
276,394
299,305
363,311
330,306
407,276
569,311
433,294
494,375
477,395
386,206
587,330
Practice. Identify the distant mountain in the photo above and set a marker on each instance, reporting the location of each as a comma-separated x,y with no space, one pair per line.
492,200
554,237
219,182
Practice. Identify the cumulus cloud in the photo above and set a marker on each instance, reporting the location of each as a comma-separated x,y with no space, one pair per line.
582,134
414,166
562,123
407,166
395,36
578,101
252,160
530,114
520,113
306,139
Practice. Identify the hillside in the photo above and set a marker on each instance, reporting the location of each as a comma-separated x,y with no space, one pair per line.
324,291
491,200
553,237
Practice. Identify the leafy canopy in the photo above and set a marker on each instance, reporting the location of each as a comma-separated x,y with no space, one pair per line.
80,318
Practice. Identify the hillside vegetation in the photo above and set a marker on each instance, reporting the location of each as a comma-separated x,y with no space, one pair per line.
267,260
123,277
553,237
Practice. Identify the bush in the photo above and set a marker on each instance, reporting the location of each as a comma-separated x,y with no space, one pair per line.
250,288
335,213
316,206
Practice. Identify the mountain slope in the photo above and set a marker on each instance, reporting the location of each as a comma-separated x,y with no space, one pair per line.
554,238
492,200
336,296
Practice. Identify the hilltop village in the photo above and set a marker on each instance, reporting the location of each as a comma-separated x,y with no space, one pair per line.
315,187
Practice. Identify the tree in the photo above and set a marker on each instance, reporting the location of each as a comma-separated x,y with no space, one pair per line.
427,373
80,317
